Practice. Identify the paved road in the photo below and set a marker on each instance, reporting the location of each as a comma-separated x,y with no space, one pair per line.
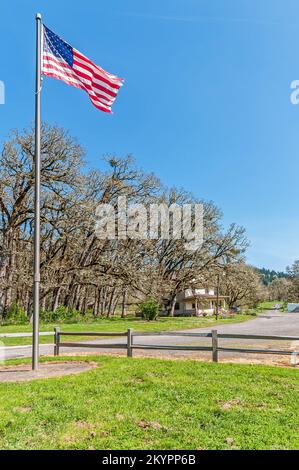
270,323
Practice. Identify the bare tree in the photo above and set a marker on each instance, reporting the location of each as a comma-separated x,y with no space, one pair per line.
242,285
78,270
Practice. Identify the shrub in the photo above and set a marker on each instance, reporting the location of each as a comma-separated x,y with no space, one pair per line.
149,309
284,307
61,314
16,315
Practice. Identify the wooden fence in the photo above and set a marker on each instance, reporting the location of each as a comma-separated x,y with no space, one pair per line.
21,335
25,335
214,348
58,344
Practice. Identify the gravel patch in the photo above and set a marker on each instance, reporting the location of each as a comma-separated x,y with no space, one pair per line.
23,372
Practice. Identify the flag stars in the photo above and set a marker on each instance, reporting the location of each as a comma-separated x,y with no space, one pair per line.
59,48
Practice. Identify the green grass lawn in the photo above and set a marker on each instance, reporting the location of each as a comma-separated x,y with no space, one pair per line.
267,305
154,404
117,324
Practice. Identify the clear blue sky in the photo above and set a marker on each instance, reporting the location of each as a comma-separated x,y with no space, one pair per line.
206,103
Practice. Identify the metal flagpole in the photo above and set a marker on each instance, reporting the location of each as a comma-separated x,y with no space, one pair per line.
36,283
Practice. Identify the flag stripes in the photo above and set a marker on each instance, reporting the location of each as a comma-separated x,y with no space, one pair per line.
65,63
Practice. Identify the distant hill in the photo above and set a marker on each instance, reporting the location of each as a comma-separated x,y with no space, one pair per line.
268,275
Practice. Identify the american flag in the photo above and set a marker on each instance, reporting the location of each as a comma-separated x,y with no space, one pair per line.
62,61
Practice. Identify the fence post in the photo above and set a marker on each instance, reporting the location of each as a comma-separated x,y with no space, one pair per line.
56,341
214,346
130,343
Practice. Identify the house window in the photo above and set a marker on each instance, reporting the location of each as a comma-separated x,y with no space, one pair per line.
193,305
206,290
177,306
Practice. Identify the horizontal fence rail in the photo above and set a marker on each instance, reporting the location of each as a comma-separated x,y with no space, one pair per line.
272,337
172,348
21,335
172,333
25,335
90,345
261,351
77,333
130,335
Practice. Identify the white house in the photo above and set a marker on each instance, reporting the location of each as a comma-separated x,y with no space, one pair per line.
197,302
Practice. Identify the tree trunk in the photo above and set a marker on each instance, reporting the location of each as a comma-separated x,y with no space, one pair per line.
172,306
56,299
110,305
124,304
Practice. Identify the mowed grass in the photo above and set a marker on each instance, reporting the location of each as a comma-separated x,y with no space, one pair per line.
268,305
116,324
154,404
